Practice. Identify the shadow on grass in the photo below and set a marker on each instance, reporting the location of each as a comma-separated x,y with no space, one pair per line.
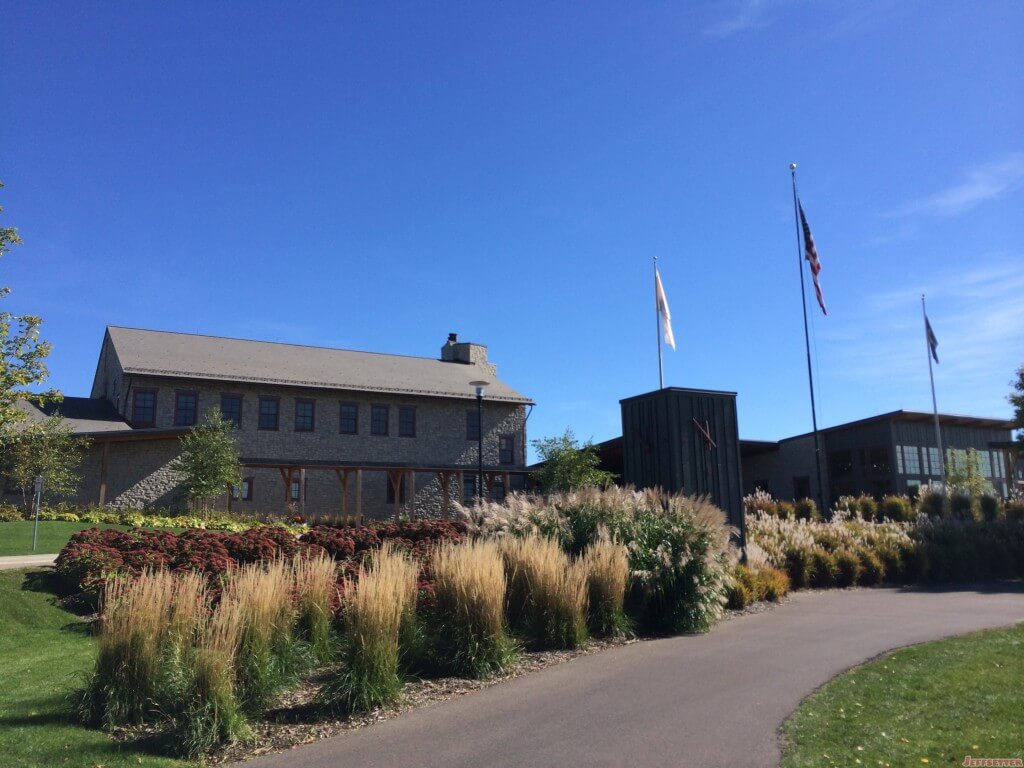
48,583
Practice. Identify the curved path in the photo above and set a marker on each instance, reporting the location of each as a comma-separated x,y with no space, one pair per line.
709,700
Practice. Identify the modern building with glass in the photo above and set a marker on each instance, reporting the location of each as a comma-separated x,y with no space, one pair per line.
890,453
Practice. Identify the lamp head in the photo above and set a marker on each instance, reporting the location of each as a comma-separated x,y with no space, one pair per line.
479,386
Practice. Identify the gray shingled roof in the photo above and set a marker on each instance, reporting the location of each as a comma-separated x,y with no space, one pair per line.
162,353
83,414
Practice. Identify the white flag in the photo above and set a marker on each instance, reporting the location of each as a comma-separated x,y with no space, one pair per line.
666,316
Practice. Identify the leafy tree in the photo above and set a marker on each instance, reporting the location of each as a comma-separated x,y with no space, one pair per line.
963,473
48,448
209,459
22,354
568,466
1016,399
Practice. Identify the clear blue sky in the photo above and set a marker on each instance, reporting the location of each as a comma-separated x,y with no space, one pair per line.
375,175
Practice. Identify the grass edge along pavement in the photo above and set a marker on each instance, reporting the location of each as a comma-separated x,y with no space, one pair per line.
929,704
43,652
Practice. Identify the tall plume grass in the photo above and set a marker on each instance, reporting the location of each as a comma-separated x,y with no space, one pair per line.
548,592
469,588
266,658
210,713
315,585
607,567
375,605
190,604
124,685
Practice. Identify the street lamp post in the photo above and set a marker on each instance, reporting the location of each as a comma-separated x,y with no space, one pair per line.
479,438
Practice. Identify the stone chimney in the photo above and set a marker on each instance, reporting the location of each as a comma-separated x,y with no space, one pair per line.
455,351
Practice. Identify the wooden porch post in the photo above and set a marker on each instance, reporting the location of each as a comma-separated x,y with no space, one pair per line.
343,479
104,459
359,495
442,478
410,494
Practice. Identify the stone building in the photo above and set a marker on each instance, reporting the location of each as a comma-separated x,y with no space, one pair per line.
319,430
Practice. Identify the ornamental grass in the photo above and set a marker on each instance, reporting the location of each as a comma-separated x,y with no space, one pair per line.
125,684
210,713
315,589
548,592
607,567
469,590
266,659
375,605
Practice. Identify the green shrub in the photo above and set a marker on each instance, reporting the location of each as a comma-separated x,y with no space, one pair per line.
932,504
772,584
896,508
785,510
1014,511
824,569
806,509
872,570
10,513
867,508
799,566
742,591
962,507
914,561
848,567
892,563
989,506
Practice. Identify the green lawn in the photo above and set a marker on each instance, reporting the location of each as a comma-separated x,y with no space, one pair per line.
16,538
932,704
43,652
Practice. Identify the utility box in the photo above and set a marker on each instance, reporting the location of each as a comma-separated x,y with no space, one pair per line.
685,440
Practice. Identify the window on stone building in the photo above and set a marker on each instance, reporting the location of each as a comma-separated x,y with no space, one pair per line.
379,420
498,489
144,408
186,405
269,413
305,411
243,491
296,489
472,425
349,422
401,491
406,421
231,409
507,449
468,487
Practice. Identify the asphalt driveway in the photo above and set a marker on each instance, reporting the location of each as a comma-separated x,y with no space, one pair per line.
708,700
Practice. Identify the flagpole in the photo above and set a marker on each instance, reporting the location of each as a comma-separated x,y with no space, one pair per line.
935,405
807,344
657,320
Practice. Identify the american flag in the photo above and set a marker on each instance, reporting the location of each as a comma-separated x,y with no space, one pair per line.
933,343
811,254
